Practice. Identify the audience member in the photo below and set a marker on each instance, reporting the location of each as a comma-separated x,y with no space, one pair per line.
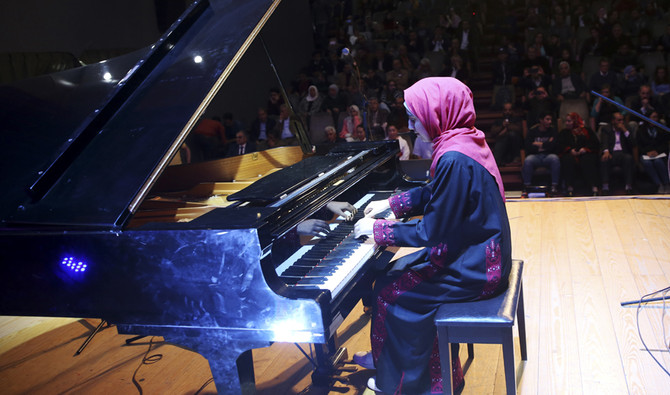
261,126
644,103
623,57
469,39
398,114
424,70
399,75
593,45
602,110
455,68
604,76
310,103
631,82
535,78
334,103
533,58
392,134
616,145
207,140
536,103
359,134
390,92
352,120
275,100
331,135
241,145
652,145
578,148
377,117
232,126
660,83
567,85
508,134
285,128
541,147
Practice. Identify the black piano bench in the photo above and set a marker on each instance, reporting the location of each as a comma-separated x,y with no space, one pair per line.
485,321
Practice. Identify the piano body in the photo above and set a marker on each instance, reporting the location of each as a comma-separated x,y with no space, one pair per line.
83,155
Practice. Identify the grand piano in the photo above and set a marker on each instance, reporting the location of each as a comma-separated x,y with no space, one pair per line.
84,150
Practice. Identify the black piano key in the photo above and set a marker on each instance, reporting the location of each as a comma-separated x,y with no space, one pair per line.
290,280
312,280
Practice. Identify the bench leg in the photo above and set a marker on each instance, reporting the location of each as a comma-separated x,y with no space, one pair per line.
508,360
445,359
521,324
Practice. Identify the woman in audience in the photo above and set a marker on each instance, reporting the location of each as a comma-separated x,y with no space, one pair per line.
464,231
578,148
392,134
350,122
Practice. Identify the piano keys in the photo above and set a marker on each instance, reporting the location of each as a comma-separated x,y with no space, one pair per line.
332,261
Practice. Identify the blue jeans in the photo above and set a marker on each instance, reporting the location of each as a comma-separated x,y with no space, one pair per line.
541,160
657,169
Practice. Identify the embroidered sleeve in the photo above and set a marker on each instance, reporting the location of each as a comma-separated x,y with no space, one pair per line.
401,204
383,232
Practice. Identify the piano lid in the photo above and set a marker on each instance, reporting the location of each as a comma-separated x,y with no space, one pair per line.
83,147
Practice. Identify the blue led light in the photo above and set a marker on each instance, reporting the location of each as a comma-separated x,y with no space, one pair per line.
73,264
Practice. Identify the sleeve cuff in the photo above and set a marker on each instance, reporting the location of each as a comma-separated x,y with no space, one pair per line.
383,232
400,204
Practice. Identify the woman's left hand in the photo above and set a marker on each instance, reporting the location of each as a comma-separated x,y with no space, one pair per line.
343,209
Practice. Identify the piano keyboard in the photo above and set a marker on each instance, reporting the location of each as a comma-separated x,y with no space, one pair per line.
334,260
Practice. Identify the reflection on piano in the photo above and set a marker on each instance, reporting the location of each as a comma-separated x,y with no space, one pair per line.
76,239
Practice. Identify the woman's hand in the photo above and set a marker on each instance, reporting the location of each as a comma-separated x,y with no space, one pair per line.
313,227
375,207
364,227
343,209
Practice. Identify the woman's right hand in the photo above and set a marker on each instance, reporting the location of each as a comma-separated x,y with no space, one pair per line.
375,207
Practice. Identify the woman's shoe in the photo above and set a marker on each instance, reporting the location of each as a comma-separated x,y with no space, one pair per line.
372,384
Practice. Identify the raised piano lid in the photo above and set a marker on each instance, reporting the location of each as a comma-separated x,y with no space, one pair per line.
82,151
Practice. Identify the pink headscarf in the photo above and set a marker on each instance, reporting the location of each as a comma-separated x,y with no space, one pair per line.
444,107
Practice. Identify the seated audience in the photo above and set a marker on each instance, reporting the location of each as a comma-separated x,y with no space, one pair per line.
284,127
617,145
541,146
260,126
350,122
392,134
578,148
652,145
241,145
508,133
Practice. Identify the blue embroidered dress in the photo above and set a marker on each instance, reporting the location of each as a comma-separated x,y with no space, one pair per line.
465,230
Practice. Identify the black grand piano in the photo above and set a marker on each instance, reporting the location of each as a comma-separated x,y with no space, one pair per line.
82,150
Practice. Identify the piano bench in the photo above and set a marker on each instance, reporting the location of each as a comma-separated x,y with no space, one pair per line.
487,321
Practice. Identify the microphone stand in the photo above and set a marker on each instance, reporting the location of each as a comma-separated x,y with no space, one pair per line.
662,127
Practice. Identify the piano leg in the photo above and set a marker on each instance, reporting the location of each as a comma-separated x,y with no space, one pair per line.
229,359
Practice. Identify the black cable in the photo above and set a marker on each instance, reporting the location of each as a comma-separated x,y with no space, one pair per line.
146,360
639,307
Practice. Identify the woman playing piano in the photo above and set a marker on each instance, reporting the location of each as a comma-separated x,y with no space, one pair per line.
465,232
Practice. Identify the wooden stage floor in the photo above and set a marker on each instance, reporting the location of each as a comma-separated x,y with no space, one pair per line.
583,257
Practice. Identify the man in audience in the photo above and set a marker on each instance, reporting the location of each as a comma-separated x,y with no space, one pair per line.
508,136
242,145
541,145
260,126
617,146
